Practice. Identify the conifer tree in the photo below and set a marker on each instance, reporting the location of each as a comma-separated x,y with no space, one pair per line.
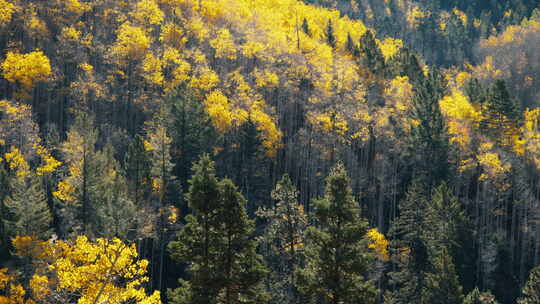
531,290
442,282
217,244
305,27
410,250
429,140
370,53
502,115
27,208
137,163
330,35
76,192
336,250
284,239
477,297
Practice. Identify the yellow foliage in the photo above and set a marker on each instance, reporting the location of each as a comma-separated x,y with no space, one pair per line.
132,42
224,45
390,46
93,271
414,16
152,68
205,81
16,162
49,163
70,33
26,69
491,163
7,9
218,108
77,7
65,191
39,285
266,79
461,15
271,135
172,34
378,243
457,106
197,29
148,12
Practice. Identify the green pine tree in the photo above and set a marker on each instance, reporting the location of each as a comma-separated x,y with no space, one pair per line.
305,27
28,210
502,116
337,257
330,35
410,250
429,140
442,283
531,290
370,53
283,241
217,243
477,297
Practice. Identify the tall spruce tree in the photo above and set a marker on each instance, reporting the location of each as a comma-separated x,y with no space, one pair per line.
409,248
477,297
531,290
217,243
330,35
336,249
429,140
283,240
27,209
370,53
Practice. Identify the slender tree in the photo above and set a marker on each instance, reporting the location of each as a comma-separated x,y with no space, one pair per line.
337,257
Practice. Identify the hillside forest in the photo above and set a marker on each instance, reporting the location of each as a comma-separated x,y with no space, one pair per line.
270,152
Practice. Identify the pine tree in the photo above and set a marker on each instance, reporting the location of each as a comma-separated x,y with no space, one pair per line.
137,163
284,237
502,116
76,192
217,244
116,213
410,249
429,140
442,283
337,259
305,27
330,35
350,44
370,53
531,290
28,209
477,297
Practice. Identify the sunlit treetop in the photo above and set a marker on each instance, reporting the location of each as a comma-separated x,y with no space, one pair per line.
7,9
147,12
132,42
26,69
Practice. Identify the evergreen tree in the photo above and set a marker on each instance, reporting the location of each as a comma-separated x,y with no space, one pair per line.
502,116
137,166
217,244
531,290
350,44
27,208
370,53
477,297
336,250
442,283
429,140
77,194
284,239
305,27
405,63
330,35
410,249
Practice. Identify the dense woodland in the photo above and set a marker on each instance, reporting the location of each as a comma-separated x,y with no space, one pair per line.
270,152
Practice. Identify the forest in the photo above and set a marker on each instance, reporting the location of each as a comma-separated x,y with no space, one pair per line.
270,151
